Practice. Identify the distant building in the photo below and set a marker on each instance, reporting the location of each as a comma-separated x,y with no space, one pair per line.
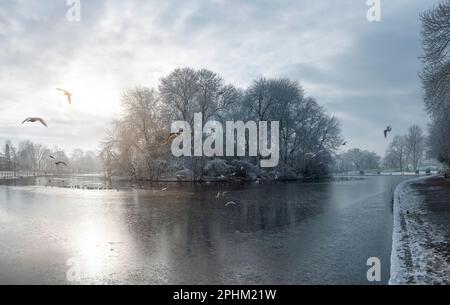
5,163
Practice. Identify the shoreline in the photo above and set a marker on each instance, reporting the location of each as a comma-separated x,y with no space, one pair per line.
416,257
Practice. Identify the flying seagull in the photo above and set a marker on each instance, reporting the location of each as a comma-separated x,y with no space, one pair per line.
221,194
34,120
387,130
68,94
345,143
231,203
61,163
313,155
173,135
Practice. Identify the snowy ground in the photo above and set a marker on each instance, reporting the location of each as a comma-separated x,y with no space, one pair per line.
420,251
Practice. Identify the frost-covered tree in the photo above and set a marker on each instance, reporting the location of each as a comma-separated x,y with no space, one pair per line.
136,142
397,153
305,127
435,75
415,141
359,160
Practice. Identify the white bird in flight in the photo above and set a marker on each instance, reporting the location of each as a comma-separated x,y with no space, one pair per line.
68,94
313,155
34,120
231,203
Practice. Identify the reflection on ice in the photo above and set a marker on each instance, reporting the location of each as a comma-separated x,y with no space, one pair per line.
274,233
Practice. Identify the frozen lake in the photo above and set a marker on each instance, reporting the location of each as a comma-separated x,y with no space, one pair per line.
278,233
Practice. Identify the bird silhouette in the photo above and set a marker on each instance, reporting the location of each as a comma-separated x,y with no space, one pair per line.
386,131
58,163
51,157
345,143
34,120
68,94
173,135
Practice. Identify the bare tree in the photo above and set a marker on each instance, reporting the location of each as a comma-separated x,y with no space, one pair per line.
396,155
438,141
359,160
415,141
135,144
179,92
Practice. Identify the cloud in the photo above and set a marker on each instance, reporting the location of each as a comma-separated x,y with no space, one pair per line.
365,72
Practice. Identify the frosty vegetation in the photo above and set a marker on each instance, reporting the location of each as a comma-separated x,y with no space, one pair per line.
405,153
358,160
35,159
435,77
136,145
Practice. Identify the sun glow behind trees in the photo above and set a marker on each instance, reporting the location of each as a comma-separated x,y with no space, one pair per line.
134,145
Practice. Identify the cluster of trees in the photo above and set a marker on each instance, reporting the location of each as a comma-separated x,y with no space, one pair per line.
35,158
357,160
406,152
435,77
135,145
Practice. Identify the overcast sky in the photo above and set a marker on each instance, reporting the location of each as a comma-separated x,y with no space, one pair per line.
364,73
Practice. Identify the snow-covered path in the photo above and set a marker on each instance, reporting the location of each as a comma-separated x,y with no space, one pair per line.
420,236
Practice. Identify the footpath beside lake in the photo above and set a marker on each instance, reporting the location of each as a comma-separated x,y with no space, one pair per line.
421,249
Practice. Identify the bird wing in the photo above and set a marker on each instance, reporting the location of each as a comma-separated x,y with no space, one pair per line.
69,98
385,133
26,120
43,122
171,137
